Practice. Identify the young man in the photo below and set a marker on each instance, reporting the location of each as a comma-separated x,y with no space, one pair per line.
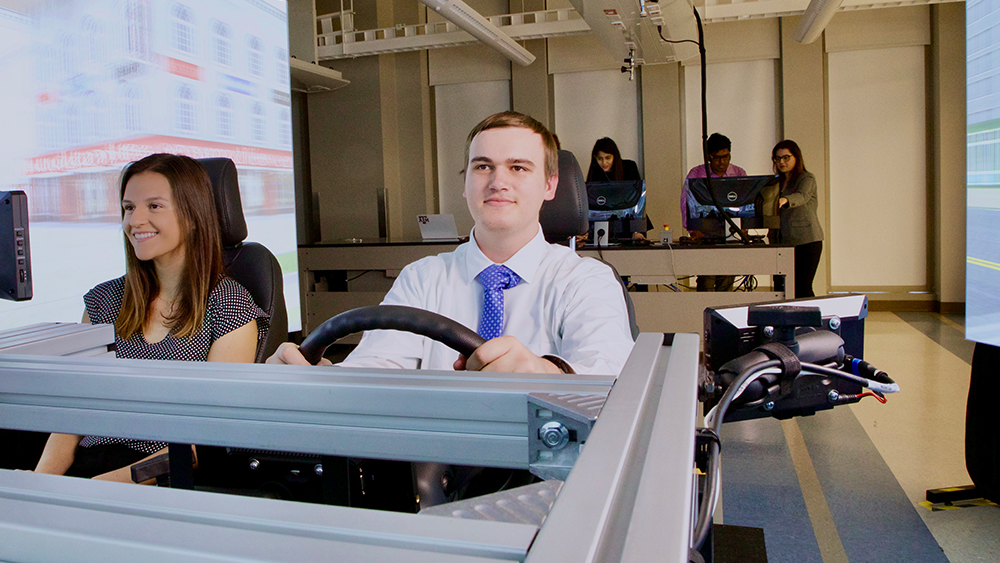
719,155
542,308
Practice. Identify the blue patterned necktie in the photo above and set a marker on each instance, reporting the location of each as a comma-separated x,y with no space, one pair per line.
495,279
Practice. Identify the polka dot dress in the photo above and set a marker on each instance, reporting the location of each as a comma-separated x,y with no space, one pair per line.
230,306
494,279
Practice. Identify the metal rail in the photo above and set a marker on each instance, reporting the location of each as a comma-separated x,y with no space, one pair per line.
627,499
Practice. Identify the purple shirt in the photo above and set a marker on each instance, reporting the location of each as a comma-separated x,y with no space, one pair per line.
699,172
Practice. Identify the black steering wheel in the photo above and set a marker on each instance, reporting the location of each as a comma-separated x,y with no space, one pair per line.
395,317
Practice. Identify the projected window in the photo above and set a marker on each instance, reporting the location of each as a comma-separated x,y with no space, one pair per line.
222,38
285,130
257,122
183,28
131,107
280,65
224,116
91,85
137,22
255,56
185,113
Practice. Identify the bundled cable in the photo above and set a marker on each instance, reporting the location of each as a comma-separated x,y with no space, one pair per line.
876,380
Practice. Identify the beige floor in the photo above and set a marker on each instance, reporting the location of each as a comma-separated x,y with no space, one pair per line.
920,432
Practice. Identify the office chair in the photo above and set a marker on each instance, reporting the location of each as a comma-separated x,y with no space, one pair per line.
249,263
567,215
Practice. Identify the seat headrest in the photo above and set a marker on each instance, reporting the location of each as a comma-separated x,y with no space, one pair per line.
226,189
567,214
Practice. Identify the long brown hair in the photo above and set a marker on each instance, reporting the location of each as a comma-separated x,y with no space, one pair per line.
196,214
800,166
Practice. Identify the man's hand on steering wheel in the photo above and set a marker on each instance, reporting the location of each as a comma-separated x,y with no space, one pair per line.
289,354
505,354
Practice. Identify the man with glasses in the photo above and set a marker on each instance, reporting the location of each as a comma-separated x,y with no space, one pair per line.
719,154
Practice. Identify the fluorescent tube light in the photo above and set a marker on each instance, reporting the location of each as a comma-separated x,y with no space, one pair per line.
460,14
814,20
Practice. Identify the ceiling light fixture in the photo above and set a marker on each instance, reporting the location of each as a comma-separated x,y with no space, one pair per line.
460,14
814,20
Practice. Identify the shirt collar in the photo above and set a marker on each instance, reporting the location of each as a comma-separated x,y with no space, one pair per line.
524,262
700,172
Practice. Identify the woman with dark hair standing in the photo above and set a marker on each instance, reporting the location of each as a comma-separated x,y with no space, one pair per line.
173,303
797,201
606,164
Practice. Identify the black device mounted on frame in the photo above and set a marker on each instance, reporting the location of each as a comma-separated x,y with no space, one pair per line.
781,360
15,255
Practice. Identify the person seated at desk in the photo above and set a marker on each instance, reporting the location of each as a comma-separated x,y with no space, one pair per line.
541,307
719,149
607,165
173,303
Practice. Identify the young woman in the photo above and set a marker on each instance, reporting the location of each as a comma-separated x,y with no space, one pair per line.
800,226
173,303
606,164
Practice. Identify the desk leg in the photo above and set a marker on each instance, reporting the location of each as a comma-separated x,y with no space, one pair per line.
779,286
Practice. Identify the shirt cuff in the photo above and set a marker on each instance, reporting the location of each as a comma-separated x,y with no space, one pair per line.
559,363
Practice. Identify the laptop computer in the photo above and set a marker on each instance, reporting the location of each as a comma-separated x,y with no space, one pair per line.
437,227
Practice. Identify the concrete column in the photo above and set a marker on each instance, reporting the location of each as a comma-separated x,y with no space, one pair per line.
947,141
804,115
662,139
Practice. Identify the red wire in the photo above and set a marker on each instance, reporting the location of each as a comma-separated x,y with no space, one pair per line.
870,394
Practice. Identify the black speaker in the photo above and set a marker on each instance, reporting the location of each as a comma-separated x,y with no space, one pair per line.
15,257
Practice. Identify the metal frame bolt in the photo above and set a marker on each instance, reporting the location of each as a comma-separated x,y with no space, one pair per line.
554,435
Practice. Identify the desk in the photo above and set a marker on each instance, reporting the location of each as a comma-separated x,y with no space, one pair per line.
668,311
341,276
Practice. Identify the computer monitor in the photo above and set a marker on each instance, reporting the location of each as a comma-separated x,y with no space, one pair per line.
740,197
621,204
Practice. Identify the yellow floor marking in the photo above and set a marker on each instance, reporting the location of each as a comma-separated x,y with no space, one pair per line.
954,506
830,547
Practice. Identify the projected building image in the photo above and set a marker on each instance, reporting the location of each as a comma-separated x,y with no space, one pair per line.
102,83
982,318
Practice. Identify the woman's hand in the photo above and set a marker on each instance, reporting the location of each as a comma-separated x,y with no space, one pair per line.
782,202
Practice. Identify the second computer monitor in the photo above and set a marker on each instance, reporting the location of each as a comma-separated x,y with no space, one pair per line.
740,197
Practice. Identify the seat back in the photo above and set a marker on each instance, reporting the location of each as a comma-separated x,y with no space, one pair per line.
249,263
567,215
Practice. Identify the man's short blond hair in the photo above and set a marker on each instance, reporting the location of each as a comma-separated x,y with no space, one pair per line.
514,119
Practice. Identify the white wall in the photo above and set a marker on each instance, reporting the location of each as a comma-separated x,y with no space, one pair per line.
591,105
458,108
878,168
741,105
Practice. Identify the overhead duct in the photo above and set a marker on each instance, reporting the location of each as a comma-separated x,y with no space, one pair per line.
460,14
814,20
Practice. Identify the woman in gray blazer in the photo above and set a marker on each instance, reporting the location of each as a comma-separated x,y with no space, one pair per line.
800,226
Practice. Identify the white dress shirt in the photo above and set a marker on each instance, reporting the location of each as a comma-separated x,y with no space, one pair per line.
565,305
